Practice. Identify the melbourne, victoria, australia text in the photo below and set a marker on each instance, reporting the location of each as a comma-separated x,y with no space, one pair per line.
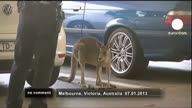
108,92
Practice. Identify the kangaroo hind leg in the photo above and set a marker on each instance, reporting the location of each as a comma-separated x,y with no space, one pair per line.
99,77
82,67
108,72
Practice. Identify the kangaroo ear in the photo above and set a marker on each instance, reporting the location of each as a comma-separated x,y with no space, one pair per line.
109,45
98,44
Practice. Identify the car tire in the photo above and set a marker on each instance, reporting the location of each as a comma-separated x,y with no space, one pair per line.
127,55
55,75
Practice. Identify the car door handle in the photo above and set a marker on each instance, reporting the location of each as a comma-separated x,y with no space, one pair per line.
77,8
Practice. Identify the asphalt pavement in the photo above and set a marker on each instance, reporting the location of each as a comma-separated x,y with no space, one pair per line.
173,78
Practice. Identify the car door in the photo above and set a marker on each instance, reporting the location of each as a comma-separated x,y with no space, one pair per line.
97,15
74,11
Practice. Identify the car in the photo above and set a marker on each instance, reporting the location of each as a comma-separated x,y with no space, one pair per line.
8,29
141,31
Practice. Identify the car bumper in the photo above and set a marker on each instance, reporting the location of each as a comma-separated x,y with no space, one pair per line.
161,46
60,52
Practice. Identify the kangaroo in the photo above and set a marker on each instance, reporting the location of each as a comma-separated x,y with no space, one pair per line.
90,51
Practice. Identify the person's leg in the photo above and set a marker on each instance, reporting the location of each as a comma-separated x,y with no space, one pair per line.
22,62
44,53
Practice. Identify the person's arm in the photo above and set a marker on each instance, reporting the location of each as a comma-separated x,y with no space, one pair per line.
60,16
18,6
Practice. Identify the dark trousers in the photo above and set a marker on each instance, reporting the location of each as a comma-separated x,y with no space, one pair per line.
36,36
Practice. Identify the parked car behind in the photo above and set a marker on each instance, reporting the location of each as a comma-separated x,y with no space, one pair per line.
140,30
8,29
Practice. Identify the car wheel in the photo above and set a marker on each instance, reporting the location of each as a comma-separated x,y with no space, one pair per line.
54,76
127,55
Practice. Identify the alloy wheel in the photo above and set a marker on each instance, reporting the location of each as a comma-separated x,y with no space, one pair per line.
122,52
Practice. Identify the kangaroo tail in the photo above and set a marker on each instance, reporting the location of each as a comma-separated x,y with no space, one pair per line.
74,66
74,63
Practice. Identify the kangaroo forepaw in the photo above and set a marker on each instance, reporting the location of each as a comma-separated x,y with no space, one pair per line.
90,86
83,85
111,86
101,86
98,83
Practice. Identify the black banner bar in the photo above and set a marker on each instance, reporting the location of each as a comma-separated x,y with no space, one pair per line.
108,92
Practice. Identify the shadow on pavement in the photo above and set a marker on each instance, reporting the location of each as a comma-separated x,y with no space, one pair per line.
3,89
160,72
168,75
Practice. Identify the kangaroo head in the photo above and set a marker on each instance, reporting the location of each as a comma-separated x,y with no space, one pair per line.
104,51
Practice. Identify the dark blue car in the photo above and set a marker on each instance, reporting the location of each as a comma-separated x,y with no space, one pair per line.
140,30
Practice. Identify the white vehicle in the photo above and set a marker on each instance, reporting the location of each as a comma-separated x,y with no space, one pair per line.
8,29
